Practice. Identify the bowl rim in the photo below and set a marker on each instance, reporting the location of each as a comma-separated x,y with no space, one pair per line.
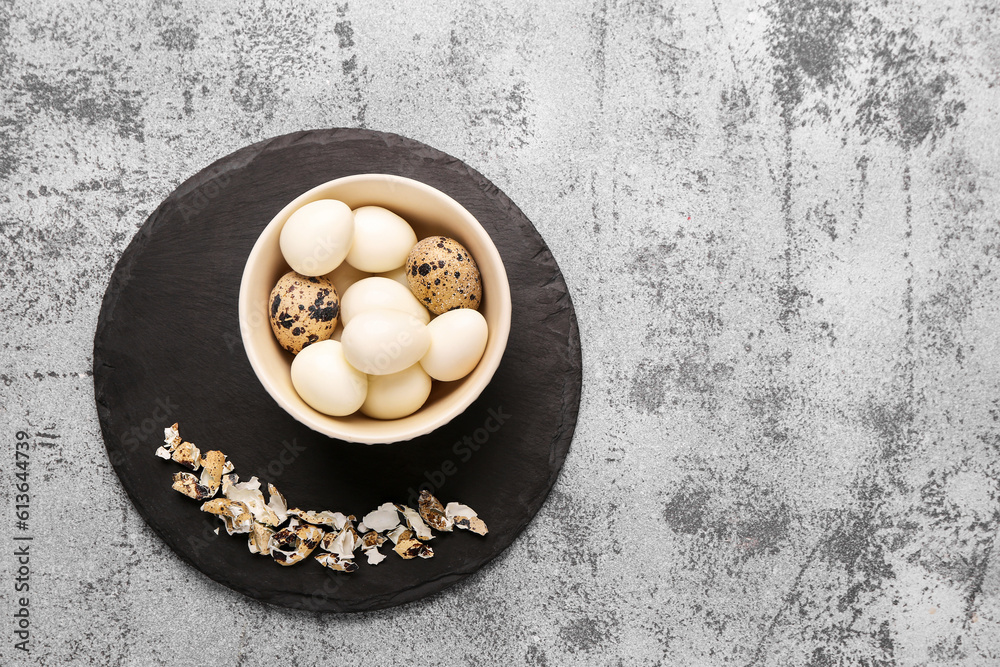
324,423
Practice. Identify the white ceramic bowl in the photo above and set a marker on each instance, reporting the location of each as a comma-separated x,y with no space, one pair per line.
429,212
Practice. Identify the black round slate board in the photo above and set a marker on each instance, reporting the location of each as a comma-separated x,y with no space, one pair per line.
168,349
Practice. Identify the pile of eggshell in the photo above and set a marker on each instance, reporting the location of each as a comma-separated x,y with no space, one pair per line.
409,310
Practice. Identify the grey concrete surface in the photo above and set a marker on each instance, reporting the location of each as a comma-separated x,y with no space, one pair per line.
778,221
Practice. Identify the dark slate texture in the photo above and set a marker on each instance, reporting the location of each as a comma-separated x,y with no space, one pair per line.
172,307
778,225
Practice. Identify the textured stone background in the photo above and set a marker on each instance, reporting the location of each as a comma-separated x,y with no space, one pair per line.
779,224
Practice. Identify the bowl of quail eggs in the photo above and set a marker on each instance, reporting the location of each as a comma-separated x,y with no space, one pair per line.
374,308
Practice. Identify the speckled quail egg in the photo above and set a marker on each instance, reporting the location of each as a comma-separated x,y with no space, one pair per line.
303,310
443,276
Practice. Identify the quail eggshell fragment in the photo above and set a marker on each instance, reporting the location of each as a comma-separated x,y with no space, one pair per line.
466,518
228,481
415,523
324,379
171,437
458,340
234,514
396,533
186,483
188,455
290,545
277,503
432,512
260,537
377,293
381,342
396,395
213,468
383,519
374,555
382,240
303,310
249,494
317,237
342,543
325,518
335,562
371,540
443,276
409,547
171,441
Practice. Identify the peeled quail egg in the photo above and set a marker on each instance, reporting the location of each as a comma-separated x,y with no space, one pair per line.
380,342
323,379
344,276
398,394
303,310
382,240
458,340
317,237
443,276
380,294
399,275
